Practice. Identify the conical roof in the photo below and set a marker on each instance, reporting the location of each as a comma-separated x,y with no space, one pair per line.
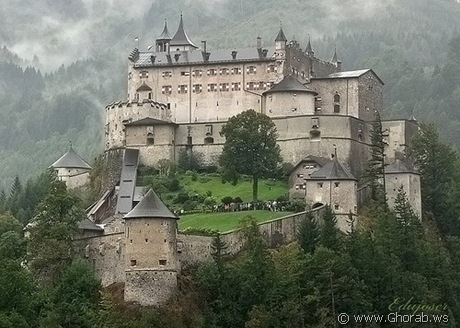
290,84
71,160
165,34
334,57
150,206
181,38
308,50
281,36
334,170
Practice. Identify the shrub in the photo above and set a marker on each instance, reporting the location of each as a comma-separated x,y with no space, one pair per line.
194,176
296,205
182,197
282,198
209,193
190,205
199,198
238,200
204,179
227,200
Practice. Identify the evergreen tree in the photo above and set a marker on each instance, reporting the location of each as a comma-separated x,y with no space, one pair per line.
329,233
375,169
308,233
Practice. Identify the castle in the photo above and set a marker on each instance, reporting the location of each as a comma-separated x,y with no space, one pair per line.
178,98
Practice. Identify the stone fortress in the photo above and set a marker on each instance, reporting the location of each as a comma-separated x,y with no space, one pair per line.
179,96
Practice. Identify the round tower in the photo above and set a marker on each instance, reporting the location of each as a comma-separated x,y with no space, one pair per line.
151,256
72,169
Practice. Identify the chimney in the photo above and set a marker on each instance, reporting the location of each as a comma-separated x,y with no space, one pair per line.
203,43
259,42
234,54
152,59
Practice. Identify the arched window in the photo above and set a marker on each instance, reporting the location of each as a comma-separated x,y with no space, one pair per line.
336,108
336,98
208,140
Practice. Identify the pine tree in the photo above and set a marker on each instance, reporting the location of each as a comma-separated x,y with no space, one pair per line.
375,170
329,235
308,233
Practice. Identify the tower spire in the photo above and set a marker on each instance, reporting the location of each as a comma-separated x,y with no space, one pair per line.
281,37
334,57
308,49
180,40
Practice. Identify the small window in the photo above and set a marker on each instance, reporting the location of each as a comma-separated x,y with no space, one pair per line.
236,86
133,262
144,74
212,87
224,87
336,108
251,70
336,207
336,98
271,68
208,130
236,70
166,74
166,89
189,140
162,262
336,184
185,73
300,175
208,140
224,71
197,72
181,89
146,240
320,185
212,71
197,88
150,96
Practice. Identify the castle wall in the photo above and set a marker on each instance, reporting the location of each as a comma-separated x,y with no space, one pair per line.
197,93
411,184
73,177
370,96
339,194
150,287
151,244
112,168
288,104
400,134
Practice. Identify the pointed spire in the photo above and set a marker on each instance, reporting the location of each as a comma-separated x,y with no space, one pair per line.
181,38
334,57
281,36
308,49
165,34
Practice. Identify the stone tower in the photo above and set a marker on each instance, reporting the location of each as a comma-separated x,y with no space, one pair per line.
151,256
72,169
280,52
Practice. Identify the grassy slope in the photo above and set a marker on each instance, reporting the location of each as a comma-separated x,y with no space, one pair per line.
224,221
268,190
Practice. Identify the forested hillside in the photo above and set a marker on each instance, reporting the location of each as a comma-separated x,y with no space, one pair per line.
62,61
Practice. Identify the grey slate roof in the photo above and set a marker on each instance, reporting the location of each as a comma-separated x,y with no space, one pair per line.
144,87
348,74
71,160
87,224
165,34
310,158
290,84
127,180
280,36
334,57
334,170
181,38
196,57
149,121
150,206
400,166
308,49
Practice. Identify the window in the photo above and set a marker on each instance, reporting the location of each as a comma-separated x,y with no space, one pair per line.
182,88
336,207
166,89
269,84
150,95
300,186
208,130
162,262
185,73
189,140
336,108
208,140
224,87
315,122
262,85
166,74
197,88
252,86
251,70
320,185
197,72
300,175
212,87
146,240
309,166
236,86
236,70
144,74
149,130
133,262
336,184
271,68
212,71
336,103
224,71
130,75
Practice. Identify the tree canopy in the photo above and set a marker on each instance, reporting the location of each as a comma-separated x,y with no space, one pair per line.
250,148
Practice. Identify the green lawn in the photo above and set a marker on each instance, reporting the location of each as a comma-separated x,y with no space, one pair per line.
268,190
224,221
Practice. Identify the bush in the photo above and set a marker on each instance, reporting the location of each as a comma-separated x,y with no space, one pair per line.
209,193
282,198
199,198
173,184
204,179
194,176
227,200
297,205
238,200
189,160
190,205
182,197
